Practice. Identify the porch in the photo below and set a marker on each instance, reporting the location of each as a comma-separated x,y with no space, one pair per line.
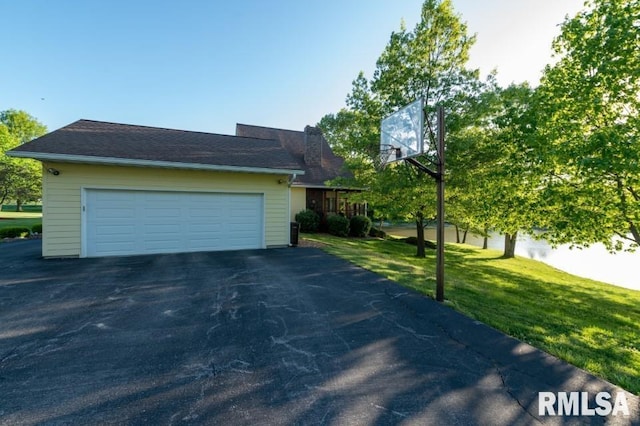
328,201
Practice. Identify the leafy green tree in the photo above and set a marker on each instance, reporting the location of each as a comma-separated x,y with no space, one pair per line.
429,63
20,179
590,128
494,184
516,173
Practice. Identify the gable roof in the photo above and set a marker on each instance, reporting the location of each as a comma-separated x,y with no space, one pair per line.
100,142
331,166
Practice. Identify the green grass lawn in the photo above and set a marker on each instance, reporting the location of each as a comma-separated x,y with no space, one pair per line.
21,219
30,208
592,325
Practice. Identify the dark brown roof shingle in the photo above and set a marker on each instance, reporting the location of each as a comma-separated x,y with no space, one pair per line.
87,138
331,166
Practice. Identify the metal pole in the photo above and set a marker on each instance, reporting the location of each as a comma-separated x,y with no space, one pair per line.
440,229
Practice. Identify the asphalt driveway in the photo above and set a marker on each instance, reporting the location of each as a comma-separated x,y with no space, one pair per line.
289,336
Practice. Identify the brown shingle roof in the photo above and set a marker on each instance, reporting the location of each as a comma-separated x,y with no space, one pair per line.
331,166
96,139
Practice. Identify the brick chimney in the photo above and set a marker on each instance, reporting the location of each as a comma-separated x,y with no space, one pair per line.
312,146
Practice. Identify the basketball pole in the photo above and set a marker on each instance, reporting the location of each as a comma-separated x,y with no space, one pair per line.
438,175
440,194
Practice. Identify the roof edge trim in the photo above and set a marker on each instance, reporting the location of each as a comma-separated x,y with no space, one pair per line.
316,186
87,159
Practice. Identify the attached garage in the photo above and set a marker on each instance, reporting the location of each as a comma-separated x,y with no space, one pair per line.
117,190
124,222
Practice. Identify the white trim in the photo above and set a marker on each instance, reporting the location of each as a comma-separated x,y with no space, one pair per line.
83,221
263,206
88,159
288,221
170,189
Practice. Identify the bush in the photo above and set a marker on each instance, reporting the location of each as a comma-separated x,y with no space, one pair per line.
309,221
338,225
377,233
37,229
414,242
359,226
14,232
411,240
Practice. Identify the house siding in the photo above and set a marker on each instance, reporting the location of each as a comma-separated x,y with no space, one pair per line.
62,209
298,201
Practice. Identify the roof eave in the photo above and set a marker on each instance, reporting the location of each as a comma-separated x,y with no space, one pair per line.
319,186
114,161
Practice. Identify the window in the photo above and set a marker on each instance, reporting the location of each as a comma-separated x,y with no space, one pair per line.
330,205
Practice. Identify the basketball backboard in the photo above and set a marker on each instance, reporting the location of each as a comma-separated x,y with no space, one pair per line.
401,133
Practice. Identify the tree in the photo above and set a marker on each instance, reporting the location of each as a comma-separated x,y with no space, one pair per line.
590,127
517,173
495,184
429,63
20,179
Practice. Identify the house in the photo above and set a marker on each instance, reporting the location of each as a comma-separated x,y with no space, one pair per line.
313,155
116,189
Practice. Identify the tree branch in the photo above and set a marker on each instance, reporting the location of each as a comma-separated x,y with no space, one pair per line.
634,193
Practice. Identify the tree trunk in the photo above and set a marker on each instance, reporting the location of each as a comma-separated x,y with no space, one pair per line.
510,245
485,240
464,236
634,232
457,234
420,234
18,205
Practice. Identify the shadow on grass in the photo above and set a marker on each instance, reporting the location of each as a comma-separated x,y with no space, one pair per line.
592,325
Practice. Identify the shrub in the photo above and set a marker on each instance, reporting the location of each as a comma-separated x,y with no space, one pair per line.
359,226
414,242
377,233
37,229
411,240
338,225
14,232
309,221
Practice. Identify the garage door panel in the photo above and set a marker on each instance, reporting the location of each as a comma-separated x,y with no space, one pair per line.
202,245
163,236
113,196
115,249
210,229
106,236
137,222
114,213
161,210
154,226
161,246
104,232
202,212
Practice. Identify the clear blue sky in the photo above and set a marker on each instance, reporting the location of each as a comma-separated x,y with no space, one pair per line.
205,65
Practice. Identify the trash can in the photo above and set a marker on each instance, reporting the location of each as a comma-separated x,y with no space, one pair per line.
294,234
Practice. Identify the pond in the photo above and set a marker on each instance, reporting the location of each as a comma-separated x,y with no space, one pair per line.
595,262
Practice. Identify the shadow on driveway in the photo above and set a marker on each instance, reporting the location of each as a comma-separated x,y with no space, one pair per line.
290,336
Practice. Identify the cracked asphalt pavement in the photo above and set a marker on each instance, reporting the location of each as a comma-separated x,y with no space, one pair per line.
284,336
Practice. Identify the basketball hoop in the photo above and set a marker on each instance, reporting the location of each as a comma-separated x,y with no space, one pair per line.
401,133
402,138
389,154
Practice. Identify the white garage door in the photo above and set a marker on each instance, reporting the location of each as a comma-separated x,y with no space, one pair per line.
141,222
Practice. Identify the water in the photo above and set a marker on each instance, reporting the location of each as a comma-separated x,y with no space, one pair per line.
595,262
